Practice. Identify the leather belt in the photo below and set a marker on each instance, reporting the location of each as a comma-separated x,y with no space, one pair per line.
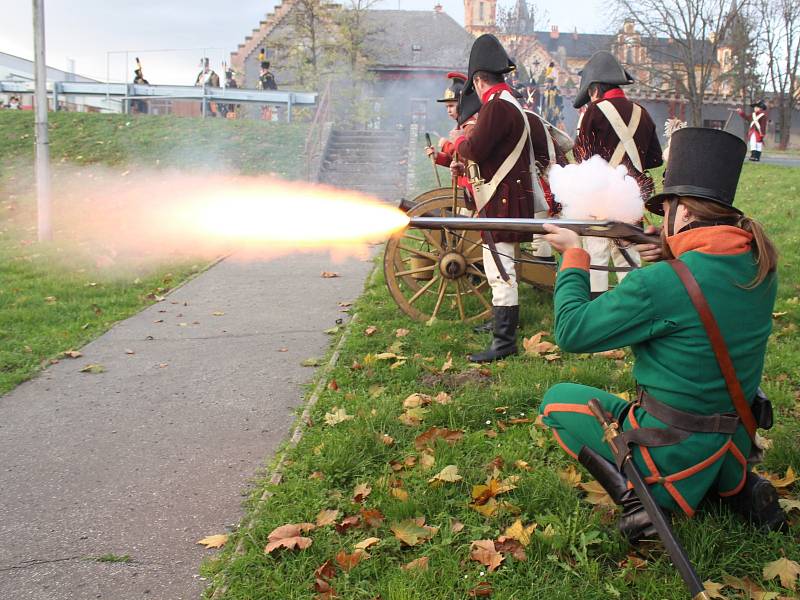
726,423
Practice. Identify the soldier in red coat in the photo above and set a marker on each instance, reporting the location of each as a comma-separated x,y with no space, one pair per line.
621,132
758,127
507,186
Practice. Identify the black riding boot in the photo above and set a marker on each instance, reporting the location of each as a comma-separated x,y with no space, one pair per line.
504,343
753,155
634,523
758,503
758,155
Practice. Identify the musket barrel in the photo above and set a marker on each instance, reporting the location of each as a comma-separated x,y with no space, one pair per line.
611,229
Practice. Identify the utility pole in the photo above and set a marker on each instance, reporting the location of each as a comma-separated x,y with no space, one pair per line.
44,223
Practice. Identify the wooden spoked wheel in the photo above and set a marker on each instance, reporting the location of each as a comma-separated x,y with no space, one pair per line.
438,275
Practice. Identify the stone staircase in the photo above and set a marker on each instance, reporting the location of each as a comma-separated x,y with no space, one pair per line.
372,162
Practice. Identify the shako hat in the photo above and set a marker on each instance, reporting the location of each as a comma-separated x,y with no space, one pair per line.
453,91
603,67
703,163
487,54
468,105
760,104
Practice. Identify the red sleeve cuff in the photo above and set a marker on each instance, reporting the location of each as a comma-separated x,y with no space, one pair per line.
575,258
457,143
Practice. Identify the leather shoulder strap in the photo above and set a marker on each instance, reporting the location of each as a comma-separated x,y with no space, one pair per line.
718,344
625,133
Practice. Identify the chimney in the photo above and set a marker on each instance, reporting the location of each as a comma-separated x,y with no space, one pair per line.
554,32
438,8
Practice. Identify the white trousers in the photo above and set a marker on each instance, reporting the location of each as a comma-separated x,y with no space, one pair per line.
601,250
503,293
754,145
541,248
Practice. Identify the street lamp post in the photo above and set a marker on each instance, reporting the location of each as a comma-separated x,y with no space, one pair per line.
44,224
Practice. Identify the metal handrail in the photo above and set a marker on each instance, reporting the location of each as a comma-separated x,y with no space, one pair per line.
314,138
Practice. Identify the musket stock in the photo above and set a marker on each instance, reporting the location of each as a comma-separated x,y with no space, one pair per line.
609,229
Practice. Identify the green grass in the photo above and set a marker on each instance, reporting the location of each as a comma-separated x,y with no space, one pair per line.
55,298
575,552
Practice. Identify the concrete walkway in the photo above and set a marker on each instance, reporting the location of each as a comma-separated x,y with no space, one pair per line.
155,453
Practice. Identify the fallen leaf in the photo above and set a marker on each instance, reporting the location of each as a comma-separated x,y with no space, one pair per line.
426,460
482,590
420,564
786,569
336,416
401,332
746,585
400,494
72,354
448,364
387,440
417,400
413,416
348,523
551,357
372,517
375,390
714,590
485,553
333,330
520,532
427,439
781,482
333,386
507,545
410,532
317,475
570,476
443,398
487,509
329,274
326,570
447,475
93,368
217,313
456,526
214,541
595,494
522,465
360,493
327,517
778,315
311,362
371,330
348,561
367,543
129,351
789,505
288,536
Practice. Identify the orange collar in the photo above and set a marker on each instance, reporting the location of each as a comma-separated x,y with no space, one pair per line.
720,239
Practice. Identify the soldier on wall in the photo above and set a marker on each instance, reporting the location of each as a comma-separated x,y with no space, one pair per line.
623,133
505,183
758,127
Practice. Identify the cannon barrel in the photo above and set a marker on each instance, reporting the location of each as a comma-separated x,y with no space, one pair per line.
610,229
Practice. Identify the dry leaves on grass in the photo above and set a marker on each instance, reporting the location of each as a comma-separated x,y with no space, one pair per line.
413,416
348,561
787,570
327,517
714,590
483,496
521,533
363,545
289,537
782,483
534,346
426,461
750,588
447,475
596,494
427,439
485,553
412,532
361,492
420,564
348,523
372,517
482,590
400,494
401,332
417,400
214,541
336,416
371,330
570,476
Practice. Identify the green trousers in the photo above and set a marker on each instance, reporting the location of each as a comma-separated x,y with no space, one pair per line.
680,475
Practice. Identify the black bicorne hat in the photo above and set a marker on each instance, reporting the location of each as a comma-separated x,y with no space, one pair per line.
487,54
703,163
760,104
453,91
603,67
468,105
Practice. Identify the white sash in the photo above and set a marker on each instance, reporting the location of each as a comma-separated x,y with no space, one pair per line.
625,133
755,122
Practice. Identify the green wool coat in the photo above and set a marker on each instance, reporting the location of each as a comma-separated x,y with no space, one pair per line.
651,312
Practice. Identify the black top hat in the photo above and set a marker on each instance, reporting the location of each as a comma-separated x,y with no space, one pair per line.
760,104
603,67
453,92
487,54
703,163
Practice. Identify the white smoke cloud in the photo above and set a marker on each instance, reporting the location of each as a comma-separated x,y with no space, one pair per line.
595,190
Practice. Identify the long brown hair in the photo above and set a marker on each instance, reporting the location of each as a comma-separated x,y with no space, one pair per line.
766,254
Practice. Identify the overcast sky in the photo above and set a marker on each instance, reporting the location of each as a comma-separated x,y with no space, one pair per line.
87,30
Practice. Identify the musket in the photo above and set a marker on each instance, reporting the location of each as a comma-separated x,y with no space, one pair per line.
608,229
673,546
433,160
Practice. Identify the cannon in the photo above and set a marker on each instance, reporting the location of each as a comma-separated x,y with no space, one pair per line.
434,268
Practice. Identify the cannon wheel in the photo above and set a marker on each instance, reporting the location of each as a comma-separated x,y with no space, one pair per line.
437,275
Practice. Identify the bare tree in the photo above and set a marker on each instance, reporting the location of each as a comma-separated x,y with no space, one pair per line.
782,46
304,48
682,38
